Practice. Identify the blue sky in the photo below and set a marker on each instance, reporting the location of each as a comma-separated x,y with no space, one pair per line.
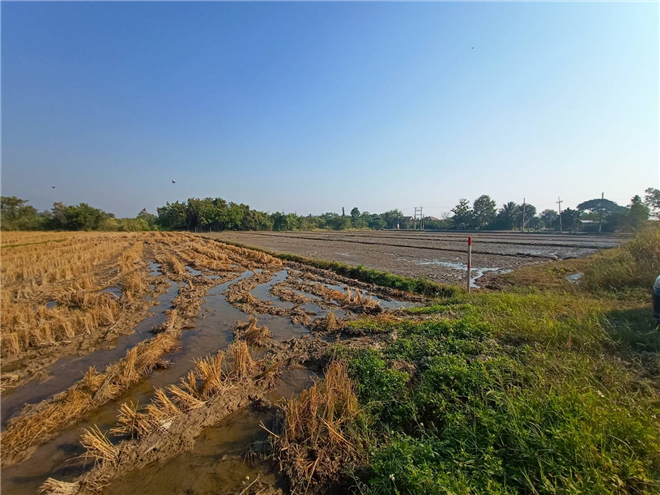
309,107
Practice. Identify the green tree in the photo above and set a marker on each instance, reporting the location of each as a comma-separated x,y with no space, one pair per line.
652,200
463,215
374,221
506,217
16,214
549,218
483,211
149,218
78,217
570,219
391,218
639,212
530,212
594,206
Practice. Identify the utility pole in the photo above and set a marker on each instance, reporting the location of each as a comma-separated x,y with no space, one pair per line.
418,210
600,214
559,202
523,217
421,214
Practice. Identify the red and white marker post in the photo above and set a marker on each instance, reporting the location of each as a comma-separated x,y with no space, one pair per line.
469,263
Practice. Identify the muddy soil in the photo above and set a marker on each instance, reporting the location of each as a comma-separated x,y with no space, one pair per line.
439,256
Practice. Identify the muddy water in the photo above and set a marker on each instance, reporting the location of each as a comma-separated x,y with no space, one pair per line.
59,458
67,371
475,273
262,291
217,463
385,303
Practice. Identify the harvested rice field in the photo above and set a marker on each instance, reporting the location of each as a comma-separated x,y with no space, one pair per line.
131,360
160,362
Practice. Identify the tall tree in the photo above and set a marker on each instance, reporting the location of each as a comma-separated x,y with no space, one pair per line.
484,211
652,200
639,212
548,218
506,217
463,215
570,219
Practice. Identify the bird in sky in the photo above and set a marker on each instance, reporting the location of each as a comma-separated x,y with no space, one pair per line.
173,181
53,187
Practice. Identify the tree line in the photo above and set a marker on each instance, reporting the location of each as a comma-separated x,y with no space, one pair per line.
216,214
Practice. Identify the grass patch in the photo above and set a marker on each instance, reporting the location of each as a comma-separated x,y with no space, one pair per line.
527,391
635,264
451,407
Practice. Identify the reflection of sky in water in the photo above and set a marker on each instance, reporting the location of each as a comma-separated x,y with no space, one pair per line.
457,265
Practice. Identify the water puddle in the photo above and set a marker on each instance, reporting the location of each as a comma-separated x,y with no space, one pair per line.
154,267
115,290
217,463
384,303
457,265
575,277
66,371
281,327
59,458
262,291
192,271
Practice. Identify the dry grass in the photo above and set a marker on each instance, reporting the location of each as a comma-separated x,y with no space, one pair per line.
315,443
72,273
254,334
55,487
95,389
211,376
328,323
97,446
51,294
167,414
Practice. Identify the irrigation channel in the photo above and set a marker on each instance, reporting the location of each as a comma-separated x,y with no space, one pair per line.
289,300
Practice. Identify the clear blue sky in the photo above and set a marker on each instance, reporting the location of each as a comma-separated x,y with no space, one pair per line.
309,107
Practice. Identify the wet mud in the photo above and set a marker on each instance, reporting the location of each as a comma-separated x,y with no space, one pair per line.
214,449
401,252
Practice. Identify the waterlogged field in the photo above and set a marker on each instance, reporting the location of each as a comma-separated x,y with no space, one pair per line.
119,349
438,256
154,363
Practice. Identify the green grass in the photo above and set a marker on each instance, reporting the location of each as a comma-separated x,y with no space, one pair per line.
636,264
543,388
524,391
502,404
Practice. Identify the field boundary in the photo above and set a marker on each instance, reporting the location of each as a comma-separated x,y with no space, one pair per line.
384,279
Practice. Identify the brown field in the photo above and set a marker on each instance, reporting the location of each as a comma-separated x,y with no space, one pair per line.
439,256
121,351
